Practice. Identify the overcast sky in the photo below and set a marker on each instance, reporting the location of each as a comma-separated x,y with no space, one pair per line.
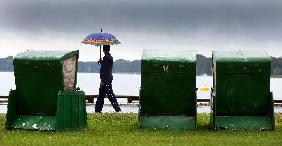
202,25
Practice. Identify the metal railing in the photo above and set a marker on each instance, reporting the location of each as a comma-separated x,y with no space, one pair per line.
130,99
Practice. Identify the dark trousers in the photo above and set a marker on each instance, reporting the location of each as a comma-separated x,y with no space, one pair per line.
106,90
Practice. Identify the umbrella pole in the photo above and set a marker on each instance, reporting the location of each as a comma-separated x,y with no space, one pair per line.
100,46
100,52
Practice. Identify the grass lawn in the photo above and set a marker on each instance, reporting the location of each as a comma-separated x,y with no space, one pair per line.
122,129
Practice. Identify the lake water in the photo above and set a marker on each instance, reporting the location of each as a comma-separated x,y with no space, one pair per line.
125,84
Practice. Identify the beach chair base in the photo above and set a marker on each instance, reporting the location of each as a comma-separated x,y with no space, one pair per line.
167,122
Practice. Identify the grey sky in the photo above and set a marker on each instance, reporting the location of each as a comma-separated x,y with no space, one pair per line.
202,25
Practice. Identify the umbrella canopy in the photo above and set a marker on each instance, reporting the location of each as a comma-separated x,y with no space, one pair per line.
99,39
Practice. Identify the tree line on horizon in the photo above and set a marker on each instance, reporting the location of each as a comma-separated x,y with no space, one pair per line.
126,66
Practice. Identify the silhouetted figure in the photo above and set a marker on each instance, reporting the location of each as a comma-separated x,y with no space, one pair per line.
106,77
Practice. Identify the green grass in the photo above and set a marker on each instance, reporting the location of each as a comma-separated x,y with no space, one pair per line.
122,129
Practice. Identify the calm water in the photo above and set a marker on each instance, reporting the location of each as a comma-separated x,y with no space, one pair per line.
125,84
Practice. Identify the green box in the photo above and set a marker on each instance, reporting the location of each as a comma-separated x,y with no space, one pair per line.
168,89
241,97
43,80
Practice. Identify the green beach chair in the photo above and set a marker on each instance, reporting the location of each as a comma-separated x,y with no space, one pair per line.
241,97
168,90
46,97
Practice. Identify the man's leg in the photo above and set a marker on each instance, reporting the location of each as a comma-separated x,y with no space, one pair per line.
112,97
100,99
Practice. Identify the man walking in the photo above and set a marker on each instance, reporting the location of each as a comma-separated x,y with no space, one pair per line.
106,77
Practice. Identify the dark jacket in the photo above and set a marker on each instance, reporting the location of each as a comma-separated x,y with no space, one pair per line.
106,68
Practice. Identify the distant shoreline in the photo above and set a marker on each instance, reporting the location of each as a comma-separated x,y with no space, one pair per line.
122,66
276,76
89,72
